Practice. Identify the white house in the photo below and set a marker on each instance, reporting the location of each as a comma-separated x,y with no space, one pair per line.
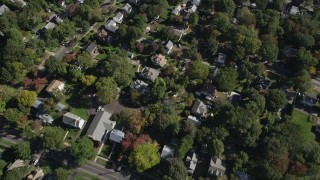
169,46
73,120
116,135
118,18
55,85
127,8
111,26
176,10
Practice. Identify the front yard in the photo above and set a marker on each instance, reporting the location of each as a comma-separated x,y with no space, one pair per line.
303,121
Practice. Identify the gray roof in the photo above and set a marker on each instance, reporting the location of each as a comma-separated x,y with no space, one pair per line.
193,9
167,152
141,86
118,18
59,107
73,120
111,26
294,10
91,47
191,161
127,7
221,58
176,10
150,73
169,45
116,135
99,125
46,118
3,9
216,167
199,108
38,105
196,2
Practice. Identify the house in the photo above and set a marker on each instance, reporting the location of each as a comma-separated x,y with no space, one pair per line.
3,9
214,71
118,18
208,91
116,135
159,60
60,107
196,2
102,35
221,59
46,118
16,164
38,105
73,120
169,46
167,152
234,98
191,161
55,85
216,167
50,25
149,73
194,119
111,26
179,33
289,52
130,55
37,174
176,10
262,83
61,3
53,15
199,108
57,20
294,10
92,48
193,9
141,86
127,8
309,100
100,125
19,2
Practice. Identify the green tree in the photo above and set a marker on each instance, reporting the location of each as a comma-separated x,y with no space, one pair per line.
222,22
85,60
305,59
61,173
245,17
64,30
175,170
269,49
17,173
187,128
227,79
52,138
215,147
3,164
268,21
82,150
144,156
7,93
12,115
27,98
193,19
302,81
88,80
158,90
183,147
56,66
227,6
303,40
22,150
106,89
276,99
13,72
198,71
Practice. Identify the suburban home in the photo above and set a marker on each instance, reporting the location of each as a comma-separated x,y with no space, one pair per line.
149,73
19,2
102,35
221,59
208,91
39,106
169,46
60,107
127,8
179,33
73,120
176,10
193,9
55,85
294,10
194,119
118,18
262,83
216,167
309,100
46,118
92,48
141,86
37,174
50,25
62,3
196,2
167,153
289,52
16,164
130,55
116,135
234,98
3,9
53,15
199,108
111,26
57,20
159,60
191,161
100,126
214,71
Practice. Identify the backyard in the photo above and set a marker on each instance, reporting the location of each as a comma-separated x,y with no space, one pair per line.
302,120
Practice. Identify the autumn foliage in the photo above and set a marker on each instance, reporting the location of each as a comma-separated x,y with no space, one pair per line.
131,141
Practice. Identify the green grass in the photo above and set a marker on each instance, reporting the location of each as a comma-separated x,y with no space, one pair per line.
81,112
302,120
105,151
101,162
85,176
72,135
101,56
5,142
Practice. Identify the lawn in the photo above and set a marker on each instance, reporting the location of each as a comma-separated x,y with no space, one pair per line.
105,151
101,162
81,112
75,103
72,135
85,176
101,56
5,142
302,120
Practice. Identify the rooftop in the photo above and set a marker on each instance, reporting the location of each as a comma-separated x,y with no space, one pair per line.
100,124
116,135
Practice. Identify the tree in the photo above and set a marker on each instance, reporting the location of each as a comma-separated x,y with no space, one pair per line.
305,59
27,98
61,173
183,147
222,22
88,80
83,149
153,11
52,138
198,71
303,40
245,17
131,141
7,93
144,156
12,115
107,89
17,173
136,122
268,21
188,128
227,79
13,72
158,91
227,6
3,164
193,19
56,66
215,147
174,170
64,30
85,60
269,49
276,99
302,81
22,150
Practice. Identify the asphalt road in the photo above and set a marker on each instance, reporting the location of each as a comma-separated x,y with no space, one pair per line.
101,172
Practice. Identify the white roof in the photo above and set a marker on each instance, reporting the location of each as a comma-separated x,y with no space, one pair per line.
116,135
176,10
193,9
194,120
167,152
73,120
221,58
127,8
118,18
294,10
111,26
169,45
50,25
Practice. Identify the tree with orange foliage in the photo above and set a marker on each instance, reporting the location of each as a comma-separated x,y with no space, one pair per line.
131,141
136,122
